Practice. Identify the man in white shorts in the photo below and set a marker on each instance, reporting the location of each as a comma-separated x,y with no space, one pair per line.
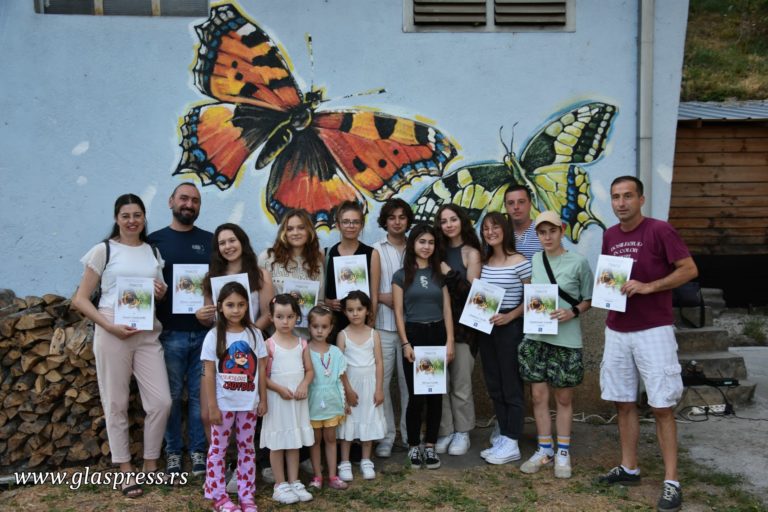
641,341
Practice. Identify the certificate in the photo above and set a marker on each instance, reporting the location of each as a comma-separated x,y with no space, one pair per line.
429,371
483,301
135,305
610,275
217,283
305,293
540,302
350,273
188,288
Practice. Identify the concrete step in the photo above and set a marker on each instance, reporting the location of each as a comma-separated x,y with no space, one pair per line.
713,297
716,364
691,317
704,339
709,395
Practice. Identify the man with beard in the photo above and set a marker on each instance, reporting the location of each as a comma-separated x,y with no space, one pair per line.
182,337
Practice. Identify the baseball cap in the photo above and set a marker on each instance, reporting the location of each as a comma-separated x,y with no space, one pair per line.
549,216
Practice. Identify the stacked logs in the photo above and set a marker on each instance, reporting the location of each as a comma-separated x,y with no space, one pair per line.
51,414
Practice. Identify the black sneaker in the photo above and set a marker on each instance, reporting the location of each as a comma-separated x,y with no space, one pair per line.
671,498
617,475
415,457
173,463
431,460
198,463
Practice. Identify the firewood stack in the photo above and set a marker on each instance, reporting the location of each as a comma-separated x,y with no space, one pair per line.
51,414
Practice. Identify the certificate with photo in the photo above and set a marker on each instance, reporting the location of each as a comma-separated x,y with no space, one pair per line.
540,301
217,283
483,301
188,288
610,275
429,370
305,293
350,273
135,304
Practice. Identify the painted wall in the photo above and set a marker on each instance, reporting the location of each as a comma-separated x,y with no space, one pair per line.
91,108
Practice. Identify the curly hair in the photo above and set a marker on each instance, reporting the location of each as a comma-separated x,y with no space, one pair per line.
468,234
389,208
281,251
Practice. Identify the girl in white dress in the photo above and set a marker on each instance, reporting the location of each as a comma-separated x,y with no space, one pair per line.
286,426
365,372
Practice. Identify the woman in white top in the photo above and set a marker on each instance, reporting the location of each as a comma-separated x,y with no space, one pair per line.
120,350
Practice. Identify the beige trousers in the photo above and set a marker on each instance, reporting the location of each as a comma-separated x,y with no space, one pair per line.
459,403
140,355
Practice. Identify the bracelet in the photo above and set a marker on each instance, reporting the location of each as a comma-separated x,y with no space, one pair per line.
403,345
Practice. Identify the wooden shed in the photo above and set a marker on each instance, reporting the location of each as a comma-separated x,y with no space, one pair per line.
719,200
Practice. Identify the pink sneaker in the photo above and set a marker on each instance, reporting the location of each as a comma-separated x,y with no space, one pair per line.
337,483
316,484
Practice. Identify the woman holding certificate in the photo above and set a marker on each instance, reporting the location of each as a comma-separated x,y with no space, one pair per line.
121,350
554,360
423,318
459,250
350,219
503,266
232,256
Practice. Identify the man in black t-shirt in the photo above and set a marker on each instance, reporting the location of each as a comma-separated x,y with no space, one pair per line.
182,337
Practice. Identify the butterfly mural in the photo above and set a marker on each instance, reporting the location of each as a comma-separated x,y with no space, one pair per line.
318,158
550,166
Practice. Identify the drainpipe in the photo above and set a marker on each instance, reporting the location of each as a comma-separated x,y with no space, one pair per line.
645,101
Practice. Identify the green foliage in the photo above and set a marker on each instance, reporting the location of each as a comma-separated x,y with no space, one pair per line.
754,327
726,50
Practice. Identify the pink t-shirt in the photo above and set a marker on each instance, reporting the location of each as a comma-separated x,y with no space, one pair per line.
654,245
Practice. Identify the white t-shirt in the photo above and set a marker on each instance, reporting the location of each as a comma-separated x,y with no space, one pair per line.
237,375
124,261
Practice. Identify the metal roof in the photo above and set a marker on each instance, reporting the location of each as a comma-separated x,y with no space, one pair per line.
728,110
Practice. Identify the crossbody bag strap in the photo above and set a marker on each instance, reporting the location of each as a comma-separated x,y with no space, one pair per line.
570,300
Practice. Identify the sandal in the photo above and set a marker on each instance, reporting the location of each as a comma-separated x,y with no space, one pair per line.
131,489
224,504
248,505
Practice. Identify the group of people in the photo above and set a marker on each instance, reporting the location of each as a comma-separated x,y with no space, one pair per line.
330,380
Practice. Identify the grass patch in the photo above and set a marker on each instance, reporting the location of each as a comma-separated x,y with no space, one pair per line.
754,328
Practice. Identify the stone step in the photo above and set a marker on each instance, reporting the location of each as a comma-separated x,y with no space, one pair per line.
704,339
709,395
691,317
713,297
719,364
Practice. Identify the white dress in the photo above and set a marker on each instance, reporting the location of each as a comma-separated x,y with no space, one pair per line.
286,425
366,422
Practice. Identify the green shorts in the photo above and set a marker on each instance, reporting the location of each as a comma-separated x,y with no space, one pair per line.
561,367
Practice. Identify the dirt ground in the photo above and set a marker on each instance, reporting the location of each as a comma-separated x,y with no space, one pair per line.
463,483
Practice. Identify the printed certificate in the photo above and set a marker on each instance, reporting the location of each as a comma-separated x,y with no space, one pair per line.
610,275
540,301
135,304
429,371
218,282
188,288
305,292
483,301
350,273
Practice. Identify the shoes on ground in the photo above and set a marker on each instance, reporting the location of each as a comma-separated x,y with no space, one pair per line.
345,471
384,449
563,464
316,483
337,483
415,456
442,444
301,491
671,498
506,450
617,475
198,463
173,463
538,460
431,460
366,467
283,493
460,444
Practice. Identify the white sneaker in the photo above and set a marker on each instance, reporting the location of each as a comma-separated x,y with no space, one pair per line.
283,493
441,446
460,443
563,464
384,449
301,491
485,453
345,471
538,460
506,451
366,466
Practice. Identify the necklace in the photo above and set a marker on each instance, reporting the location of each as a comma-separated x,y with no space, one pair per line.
326,366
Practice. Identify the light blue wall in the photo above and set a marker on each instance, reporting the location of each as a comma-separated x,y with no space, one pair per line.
90,108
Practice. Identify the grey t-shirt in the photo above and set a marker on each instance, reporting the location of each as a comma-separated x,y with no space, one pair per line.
423,300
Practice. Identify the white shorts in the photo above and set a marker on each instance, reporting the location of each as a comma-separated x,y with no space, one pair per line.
650,354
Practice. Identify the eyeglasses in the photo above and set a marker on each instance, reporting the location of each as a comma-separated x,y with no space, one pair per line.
348,222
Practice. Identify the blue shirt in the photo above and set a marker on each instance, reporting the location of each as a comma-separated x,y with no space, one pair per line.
184,247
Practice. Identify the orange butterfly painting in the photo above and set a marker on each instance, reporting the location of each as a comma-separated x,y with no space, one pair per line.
318,158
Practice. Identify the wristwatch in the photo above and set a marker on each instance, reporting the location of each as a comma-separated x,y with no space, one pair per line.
576,311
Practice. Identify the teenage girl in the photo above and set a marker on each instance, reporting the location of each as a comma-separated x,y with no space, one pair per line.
286,428
423,317
326,395
362,348
234,366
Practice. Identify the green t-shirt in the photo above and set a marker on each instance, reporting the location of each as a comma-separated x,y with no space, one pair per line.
574,276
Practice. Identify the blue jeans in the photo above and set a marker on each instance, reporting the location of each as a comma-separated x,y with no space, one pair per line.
182,359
